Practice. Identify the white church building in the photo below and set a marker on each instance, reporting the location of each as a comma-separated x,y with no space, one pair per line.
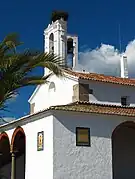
81,126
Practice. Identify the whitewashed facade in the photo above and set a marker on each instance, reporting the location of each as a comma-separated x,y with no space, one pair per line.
62,92
71,161
47,95
103,105
61,158
39,161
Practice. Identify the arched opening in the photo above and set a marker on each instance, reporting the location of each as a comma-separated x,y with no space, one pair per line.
70,46
52,87
51,43
123,151
51,94
18,147
70,49
5,157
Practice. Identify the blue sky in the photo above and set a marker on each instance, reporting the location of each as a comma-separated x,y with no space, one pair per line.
95,22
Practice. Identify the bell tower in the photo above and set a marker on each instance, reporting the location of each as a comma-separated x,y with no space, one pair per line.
58,42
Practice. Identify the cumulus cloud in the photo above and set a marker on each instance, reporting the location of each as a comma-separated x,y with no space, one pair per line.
106,59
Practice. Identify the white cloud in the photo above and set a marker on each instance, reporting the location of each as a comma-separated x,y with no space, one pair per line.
106,59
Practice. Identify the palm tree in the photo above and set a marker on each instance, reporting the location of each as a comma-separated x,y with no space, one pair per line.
16,68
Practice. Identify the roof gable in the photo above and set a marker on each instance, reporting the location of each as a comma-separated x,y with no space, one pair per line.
34,93
66,75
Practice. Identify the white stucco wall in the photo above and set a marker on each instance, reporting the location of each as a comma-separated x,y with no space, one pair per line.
61,158
39,164
62,95
94,162
110,93
102,93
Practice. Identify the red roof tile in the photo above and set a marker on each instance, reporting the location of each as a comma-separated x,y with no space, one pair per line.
102,78
85,107
106,109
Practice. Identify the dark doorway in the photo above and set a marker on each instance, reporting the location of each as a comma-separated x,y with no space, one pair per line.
18,143
123,151
5,157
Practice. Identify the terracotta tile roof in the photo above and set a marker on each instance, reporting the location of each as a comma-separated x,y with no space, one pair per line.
87,107
102,78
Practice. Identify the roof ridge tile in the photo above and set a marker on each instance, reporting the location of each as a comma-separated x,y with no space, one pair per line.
102,78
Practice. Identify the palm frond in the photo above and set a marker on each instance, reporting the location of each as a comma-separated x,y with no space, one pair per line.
15,67
14,38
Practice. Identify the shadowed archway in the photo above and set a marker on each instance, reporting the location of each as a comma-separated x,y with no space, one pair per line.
18,148
5,157
123,151
70,49
51,43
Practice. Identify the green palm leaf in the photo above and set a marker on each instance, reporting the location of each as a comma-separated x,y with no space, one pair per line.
16,68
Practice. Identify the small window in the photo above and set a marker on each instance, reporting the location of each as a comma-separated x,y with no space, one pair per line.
124,101
90,91
52,87
82,136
